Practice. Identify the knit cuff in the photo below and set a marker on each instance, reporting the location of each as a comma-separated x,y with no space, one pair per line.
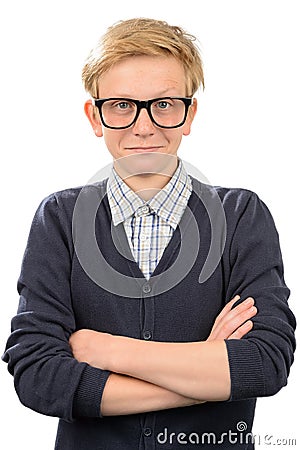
88,396
246,369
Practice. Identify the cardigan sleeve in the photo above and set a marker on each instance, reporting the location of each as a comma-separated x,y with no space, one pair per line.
47,377
260,362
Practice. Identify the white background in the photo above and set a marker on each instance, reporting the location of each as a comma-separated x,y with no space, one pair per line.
246,135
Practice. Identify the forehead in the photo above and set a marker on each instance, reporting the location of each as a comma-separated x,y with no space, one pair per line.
144,77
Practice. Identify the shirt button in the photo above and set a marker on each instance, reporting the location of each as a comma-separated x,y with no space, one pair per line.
147,432
143,237
146,288
143,210
147,335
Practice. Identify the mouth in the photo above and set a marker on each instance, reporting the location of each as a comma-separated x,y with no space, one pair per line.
144,149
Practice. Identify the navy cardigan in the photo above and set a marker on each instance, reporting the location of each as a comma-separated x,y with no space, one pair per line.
227,244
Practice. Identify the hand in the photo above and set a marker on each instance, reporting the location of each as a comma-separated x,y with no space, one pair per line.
91,347
234,323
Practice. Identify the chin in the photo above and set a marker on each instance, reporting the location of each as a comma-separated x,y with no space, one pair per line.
146,164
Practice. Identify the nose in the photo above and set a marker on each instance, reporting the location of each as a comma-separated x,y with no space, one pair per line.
143,125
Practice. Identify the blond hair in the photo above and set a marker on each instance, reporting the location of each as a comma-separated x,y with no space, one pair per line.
142,36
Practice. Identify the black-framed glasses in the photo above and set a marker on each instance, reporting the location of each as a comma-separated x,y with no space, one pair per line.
165,112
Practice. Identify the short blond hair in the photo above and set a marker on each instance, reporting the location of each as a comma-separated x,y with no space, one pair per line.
143,36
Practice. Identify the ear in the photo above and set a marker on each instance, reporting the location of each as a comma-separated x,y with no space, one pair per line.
92,114
190,117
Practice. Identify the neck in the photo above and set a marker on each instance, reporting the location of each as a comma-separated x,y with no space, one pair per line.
147,184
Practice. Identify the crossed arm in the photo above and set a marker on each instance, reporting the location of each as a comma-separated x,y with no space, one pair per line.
148,375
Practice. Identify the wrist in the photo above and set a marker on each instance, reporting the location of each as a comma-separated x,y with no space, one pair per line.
114,353
101,351
119,353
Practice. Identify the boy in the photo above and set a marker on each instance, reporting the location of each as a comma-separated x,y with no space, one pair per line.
123,348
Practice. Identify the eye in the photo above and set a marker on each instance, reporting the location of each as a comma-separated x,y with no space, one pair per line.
122,105
163,104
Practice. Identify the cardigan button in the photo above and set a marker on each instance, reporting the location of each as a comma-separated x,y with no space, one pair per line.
147,335
146,288
147,432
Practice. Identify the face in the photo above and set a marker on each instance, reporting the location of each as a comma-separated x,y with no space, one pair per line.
144,147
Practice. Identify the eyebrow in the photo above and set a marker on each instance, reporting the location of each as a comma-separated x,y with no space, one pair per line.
160,94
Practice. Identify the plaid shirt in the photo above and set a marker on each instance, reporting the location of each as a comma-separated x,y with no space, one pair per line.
149,225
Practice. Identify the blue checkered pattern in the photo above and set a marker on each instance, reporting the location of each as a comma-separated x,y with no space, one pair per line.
149,225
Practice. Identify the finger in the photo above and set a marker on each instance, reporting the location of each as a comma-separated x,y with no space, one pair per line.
244,305
241,311
247,303
232,321
236,321
227,308
242,330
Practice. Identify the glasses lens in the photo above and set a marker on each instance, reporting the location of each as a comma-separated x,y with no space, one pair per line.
118,112
165,112
168,112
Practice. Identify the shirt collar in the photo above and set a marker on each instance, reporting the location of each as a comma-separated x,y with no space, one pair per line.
169,203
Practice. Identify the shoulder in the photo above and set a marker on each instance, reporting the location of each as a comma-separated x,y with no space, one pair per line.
231,198
235,206
59,207
67,198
